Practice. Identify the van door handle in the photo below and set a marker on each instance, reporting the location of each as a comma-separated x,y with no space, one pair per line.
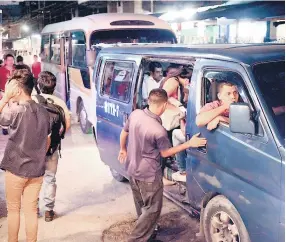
202,149
199,149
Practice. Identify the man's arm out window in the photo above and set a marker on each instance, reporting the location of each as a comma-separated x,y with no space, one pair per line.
207,113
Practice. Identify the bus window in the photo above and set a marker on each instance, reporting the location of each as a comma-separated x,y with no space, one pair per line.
78,49
55,49
132,36
45,48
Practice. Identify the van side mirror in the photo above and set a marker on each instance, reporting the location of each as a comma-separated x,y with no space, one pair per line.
240,119
90,57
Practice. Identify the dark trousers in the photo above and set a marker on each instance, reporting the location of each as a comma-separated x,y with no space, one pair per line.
148,198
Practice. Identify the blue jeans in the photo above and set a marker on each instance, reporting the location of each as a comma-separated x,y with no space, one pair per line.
179,138
50,186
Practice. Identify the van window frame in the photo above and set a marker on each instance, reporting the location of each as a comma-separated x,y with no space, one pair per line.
245,95
102,73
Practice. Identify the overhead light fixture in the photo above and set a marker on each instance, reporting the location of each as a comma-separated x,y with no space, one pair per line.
25,27
37,36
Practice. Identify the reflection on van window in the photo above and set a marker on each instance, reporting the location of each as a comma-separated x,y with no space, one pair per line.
271,80
133,36
116,82
78,49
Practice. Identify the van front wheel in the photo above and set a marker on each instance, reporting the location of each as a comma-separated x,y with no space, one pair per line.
222,222
85,125
117,176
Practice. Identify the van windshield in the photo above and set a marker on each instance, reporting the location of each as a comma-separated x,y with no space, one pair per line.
271,80
133,36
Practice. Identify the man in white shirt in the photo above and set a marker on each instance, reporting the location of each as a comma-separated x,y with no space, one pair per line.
154,80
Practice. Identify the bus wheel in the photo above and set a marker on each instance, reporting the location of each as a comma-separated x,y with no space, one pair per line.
83,121
117,176
222,222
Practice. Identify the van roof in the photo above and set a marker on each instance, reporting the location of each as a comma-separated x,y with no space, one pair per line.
103,22
246,53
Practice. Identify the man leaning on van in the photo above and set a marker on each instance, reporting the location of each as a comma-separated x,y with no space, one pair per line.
148,142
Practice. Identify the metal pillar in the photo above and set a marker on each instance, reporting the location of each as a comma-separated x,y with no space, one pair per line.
138,6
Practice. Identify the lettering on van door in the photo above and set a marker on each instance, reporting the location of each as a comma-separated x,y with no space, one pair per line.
111,108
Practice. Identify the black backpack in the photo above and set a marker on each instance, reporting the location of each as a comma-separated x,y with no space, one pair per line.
57,122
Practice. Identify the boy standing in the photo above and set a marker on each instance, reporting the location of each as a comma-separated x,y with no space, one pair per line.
47,83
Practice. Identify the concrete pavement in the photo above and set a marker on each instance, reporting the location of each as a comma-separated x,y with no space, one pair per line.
89,200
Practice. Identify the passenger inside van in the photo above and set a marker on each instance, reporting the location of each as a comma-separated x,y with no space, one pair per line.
174,86
179,137
218,111
175,78
153,81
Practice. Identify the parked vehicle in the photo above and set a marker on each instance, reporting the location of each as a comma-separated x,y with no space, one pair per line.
235,183
69,48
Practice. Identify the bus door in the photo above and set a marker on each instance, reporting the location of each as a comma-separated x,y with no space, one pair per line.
78,72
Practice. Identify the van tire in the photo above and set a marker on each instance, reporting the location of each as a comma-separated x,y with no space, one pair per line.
117,176
85,125
220,210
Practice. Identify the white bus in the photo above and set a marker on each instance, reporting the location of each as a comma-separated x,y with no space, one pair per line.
68,50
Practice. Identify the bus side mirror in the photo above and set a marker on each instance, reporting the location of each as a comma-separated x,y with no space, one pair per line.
241,119
90,57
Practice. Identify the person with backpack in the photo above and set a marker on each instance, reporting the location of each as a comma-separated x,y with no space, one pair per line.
60,123
25,153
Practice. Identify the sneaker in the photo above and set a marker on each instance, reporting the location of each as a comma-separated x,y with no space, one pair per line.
49,216
180,176
5,131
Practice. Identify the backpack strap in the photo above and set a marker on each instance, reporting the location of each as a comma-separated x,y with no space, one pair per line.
63,121
41,99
